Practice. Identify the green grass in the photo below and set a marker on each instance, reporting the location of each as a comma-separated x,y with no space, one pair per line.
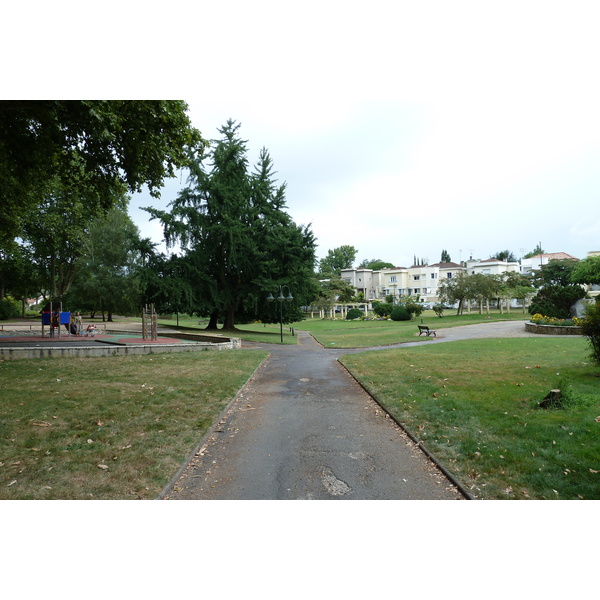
350,334
474,405
368,334
139,416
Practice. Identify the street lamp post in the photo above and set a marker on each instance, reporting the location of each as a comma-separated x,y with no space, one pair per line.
280,299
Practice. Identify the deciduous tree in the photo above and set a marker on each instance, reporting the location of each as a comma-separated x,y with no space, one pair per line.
109,279
337,259
107,145
587,271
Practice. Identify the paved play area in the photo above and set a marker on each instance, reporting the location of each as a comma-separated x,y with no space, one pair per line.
17,341
9,340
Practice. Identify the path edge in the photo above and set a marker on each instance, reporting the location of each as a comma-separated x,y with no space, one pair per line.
223,414
459,486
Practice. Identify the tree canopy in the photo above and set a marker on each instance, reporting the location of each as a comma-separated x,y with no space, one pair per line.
445,257
337,259
104,147
557,293
376,264
535,252
108,269
587,271
505,255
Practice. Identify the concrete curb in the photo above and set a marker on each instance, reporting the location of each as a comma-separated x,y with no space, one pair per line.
459,486
223,415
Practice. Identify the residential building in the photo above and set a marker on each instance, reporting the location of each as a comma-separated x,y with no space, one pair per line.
421,281
535,262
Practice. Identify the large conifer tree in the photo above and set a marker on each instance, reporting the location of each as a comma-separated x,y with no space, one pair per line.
235,232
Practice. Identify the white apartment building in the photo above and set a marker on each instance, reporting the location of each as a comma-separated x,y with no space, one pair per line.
492,266
421,282
535,262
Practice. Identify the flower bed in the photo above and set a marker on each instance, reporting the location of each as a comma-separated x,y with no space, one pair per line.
552,326
542,320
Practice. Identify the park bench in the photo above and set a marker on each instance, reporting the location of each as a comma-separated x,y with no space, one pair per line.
424,329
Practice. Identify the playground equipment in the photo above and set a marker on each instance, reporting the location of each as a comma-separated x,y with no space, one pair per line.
55,317
149,323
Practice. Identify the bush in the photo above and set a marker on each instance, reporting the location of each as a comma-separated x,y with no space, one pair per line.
556,300
354,313
382,309
438,309
591,329
399,313
414,308
9,308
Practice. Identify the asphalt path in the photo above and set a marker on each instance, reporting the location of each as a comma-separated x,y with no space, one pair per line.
302,428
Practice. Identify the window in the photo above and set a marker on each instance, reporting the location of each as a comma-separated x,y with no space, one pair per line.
416,277
393,279
434,276
449,275
417,290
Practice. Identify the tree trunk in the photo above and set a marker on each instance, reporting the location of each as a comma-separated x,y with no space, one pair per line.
213,321
229,324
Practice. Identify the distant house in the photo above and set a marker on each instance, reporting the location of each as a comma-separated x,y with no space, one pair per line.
492,266
535,262
421,281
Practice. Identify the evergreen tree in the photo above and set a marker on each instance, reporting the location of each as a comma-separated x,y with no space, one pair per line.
238,241
445,258
505,255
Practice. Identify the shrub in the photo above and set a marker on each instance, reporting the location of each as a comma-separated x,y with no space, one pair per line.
438,309
382,309
556,300
354,313
414,308
9,308
399,313
591,329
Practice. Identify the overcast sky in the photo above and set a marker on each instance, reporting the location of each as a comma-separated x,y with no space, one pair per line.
402,130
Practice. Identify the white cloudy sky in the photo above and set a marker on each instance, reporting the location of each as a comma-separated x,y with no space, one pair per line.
401,128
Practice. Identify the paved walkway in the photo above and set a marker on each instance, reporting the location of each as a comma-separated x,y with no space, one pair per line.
304,429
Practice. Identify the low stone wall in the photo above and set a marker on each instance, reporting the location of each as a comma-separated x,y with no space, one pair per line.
113,350
211,339
552,329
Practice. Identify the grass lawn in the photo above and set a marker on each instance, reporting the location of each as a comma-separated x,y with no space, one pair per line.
112,427
365,334
474,405
352,334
